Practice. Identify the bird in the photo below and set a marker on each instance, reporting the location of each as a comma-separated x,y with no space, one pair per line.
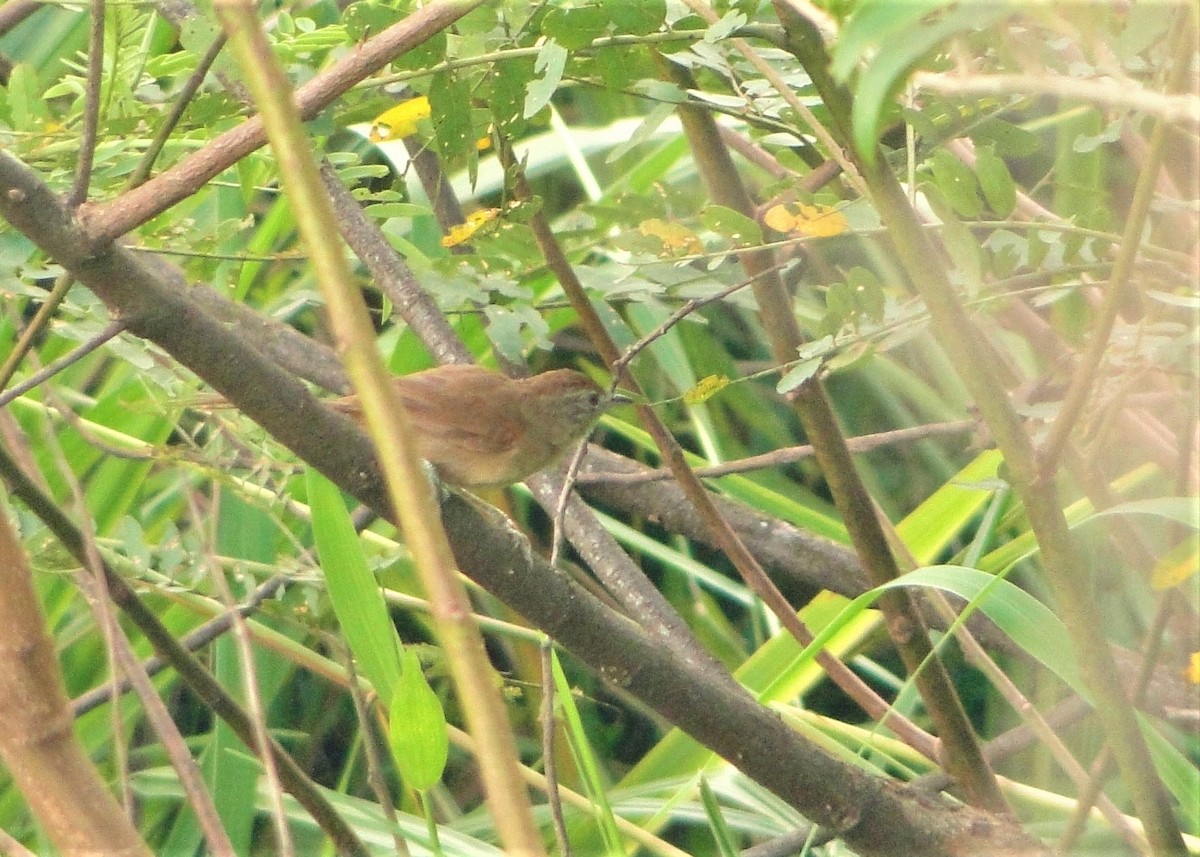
480,429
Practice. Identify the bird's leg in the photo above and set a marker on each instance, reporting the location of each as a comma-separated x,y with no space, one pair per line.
519,540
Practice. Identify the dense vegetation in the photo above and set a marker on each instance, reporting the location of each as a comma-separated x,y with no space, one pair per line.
919,280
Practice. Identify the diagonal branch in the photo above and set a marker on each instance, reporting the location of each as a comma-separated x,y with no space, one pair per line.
874,816
106,221
961,754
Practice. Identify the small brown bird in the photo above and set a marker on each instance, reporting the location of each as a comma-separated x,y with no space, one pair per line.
479,428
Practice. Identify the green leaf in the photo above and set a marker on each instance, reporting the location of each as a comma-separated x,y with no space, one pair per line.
417,734
956,182
586,763
197,32
370,18
959,241
25,100
454,134
551,60
716,821
1086,143
801,372
660,90
511,329
1180,510
839,305
386,210
873,23
1008,140
1008,250
900,36
725,27
575,27
734,225
357,600
943,517
425,55
997,183
508,91
636,17
1178,771
867,291
1030,623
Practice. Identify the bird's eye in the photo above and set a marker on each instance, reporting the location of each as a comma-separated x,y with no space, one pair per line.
594,400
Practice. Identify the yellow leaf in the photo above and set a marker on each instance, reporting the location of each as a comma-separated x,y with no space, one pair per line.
463,232
1193,668
1179,564
706,389
813,221
820,221
400,121
676,238
779,218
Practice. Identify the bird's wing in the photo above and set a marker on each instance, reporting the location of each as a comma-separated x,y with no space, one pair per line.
449,405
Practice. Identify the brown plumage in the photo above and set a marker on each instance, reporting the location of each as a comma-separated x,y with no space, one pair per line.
480,428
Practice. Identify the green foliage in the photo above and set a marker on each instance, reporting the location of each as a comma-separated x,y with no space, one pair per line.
418,737
1025,194
353,591
896,38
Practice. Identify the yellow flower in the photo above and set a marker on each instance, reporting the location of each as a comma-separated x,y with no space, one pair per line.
400,121
706,389
475,221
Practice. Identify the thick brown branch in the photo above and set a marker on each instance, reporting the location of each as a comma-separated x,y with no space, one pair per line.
874,816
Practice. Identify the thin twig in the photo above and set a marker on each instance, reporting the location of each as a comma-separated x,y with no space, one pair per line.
684,311
193,674
549,765
781,457
1068,712
95,587
391,274
15,11
961,753
113,329
192,641
1119,291
283,837
371,748
730,543
40,319
624,581
415,509
1092,792
981,660
190,87
771,74
106,221
91,108
1105,91
447,210
960,338
570,476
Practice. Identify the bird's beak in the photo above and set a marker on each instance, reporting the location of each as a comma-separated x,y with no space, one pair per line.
621,397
